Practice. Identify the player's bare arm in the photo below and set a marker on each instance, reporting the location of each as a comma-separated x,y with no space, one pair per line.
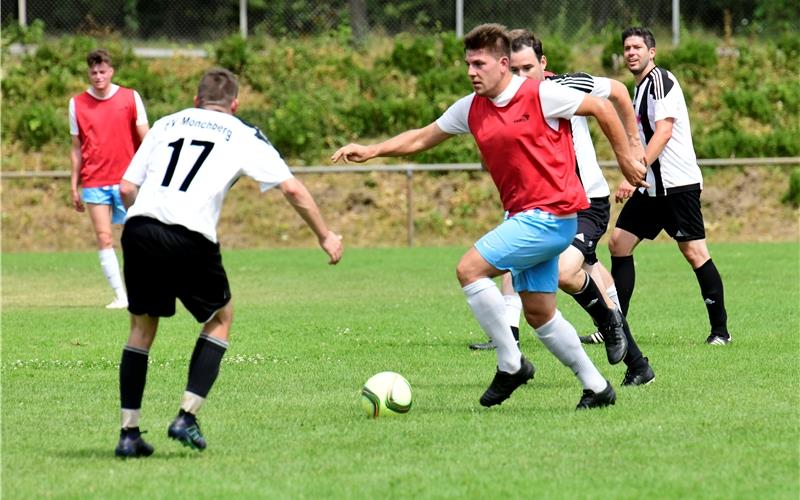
633,170
406,143
75,158
128,192
621,100
661,135
301,200
141,131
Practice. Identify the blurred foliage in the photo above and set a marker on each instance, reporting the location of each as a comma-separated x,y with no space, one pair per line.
792,196
311,96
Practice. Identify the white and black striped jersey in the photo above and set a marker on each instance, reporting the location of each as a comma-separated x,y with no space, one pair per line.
188,162
658,97
588,169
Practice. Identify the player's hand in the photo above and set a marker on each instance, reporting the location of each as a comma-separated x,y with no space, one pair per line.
352,152
76,201
637,151
635,172
624,191
332,244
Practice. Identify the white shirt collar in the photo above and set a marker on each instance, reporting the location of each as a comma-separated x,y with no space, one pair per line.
113,90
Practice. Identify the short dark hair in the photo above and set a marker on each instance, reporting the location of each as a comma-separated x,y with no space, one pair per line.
645,33
492,37
98,56
217,86
523,38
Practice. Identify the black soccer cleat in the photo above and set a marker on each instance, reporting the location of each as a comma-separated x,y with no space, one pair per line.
641,375
715,339
591,399
614,338
594,338
483,346
186,429
504,383
131,444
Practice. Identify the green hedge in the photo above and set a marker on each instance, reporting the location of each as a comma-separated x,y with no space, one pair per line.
313,95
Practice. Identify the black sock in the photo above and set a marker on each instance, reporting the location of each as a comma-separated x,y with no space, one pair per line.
634,358
515,332
204,365
132,377
714,297
624,274
592,302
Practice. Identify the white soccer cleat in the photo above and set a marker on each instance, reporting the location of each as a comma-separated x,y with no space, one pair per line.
118,303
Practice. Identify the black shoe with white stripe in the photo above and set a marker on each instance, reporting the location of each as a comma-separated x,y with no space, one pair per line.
595,338
715,339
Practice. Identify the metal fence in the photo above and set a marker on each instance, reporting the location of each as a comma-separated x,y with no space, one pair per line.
201,21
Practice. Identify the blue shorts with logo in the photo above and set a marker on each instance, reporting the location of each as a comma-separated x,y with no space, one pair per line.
107,195
528,244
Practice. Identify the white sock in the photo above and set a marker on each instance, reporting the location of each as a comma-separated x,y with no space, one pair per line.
560,338
110,266
191,402
612,294
130,418
486,302
513,309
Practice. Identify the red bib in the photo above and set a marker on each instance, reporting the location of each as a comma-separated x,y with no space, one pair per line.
532,165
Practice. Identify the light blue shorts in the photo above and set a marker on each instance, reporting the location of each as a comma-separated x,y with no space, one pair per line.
107,195
528,245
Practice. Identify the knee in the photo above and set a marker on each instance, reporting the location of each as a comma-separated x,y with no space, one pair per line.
465,273
571,280
615,247
696,255
104,240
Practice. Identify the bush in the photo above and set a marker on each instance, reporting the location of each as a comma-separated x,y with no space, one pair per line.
792,196
693,59
233,53
40,124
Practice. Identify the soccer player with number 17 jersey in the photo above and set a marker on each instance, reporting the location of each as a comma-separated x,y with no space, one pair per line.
174,188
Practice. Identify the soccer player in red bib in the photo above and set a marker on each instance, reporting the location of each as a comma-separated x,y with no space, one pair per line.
522,129
107,123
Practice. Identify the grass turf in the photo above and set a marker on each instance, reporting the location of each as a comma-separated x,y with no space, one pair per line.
284,419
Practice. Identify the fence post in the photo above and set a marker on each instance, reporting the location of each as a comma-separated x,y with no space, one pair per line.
23,13
459,18
410,205
243,18
676,22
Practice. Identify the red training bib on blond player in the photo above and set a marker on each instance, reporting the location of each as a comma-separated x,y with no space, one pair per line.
532,165
107,141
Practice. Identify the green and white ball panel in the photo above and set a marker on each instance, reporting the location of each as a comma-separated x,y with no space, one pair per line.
386,393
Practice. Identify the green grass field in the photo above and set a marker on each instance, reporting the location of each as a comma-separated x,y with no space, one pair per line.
284,419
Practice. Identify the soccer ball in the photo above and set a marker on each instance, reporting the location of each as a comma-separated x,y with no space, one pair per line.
384,394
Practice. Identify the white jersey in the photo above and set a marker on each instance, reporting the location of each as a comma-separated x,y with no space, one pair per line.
588,169
557,102
188,162
658,97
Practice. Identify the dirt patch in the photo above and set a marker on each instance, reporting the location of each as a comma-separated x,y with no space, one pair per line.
370,209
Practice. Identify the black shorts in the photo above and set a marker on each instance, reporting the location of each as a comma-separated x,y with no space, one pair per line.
163,262
678,214
592,225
